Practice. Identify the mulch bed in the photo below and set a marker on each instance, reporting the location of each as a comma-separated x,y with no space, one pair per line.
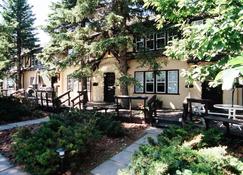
102,150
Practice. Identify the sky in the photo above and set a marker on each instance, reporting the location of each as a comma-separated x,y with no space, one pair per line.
40,10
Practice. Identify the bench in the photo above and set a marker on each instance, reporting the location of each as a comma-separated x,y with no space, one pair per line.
226,121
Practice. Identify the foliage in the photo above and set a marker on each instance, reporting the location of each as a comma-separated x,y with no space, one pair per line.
217,41
4,49
83,31
74,131
171,156
13,109
18,19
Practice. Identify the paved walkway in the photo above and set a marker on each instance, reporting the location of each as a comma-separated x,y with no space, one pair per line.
6,168
24,123
122,159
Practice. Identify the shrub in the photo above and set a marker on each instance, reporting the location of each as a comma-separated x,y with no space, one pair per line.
73,130
13,109
170,156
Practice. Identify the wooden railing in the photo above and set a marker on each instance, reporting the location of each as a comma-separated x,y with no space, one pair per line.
4,92
66,97
20,92
80,100
45,98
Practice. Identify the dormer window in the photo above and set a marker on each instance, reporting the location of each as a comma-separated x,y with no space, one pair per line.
139,44
160,40
150,42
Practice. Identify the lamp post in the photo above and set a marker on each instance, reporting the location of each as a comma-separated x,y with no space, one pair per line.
61,154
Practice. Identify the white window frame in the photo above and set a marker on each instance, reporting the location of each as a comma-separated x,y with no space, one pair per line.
159,38
158,81
139,41
149,82
70,83
142,84
148,39
173,81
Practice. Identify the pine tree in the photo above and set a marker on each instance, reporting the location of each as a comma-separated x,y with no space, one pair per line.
18,17
91,28
5,50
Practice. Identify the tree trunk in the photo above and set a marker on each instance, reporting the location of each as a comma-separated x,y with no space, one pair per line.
18,78
123,86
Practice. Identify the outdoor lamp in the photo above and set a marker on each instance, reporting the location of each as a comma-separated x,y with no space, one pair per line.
61,152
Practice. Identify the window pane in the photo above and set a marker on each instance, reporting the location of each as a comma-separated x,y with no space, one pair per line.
161,81
160,40
173,82
139,79
161,87
149,81
150,42
139,44
150,87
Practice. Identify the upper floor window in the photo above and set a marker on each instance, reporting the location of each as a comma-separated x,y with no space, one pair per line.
150,42
160,40
139,44
172,33
70,83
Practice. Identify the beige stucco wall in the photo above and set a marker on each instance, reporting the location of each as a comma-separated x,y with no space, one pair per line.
227,97
33,73
62,83
169,101
108,64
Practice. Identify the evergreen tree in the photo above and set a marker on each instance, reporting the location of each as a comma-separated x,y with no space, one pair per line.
18,17
5,50
86,29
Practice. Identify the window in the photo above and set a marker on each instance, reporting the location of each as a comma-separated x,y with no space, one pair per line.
172,33
32,80
150,42
197,22
70,83
172,82
139,76
161,82
139,44
160,40
149,82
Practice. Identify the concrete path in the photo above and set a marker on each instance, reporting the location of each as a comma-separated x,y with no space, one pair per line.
6,168
122,159
24,123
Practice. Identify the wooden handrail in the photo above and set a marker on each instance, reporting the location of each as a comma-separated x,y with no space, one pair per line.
81,93
63,95
66,93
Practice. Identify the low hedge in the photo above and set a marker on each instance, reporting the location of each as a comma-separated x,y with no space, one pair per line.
15,109
74,131
184,151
